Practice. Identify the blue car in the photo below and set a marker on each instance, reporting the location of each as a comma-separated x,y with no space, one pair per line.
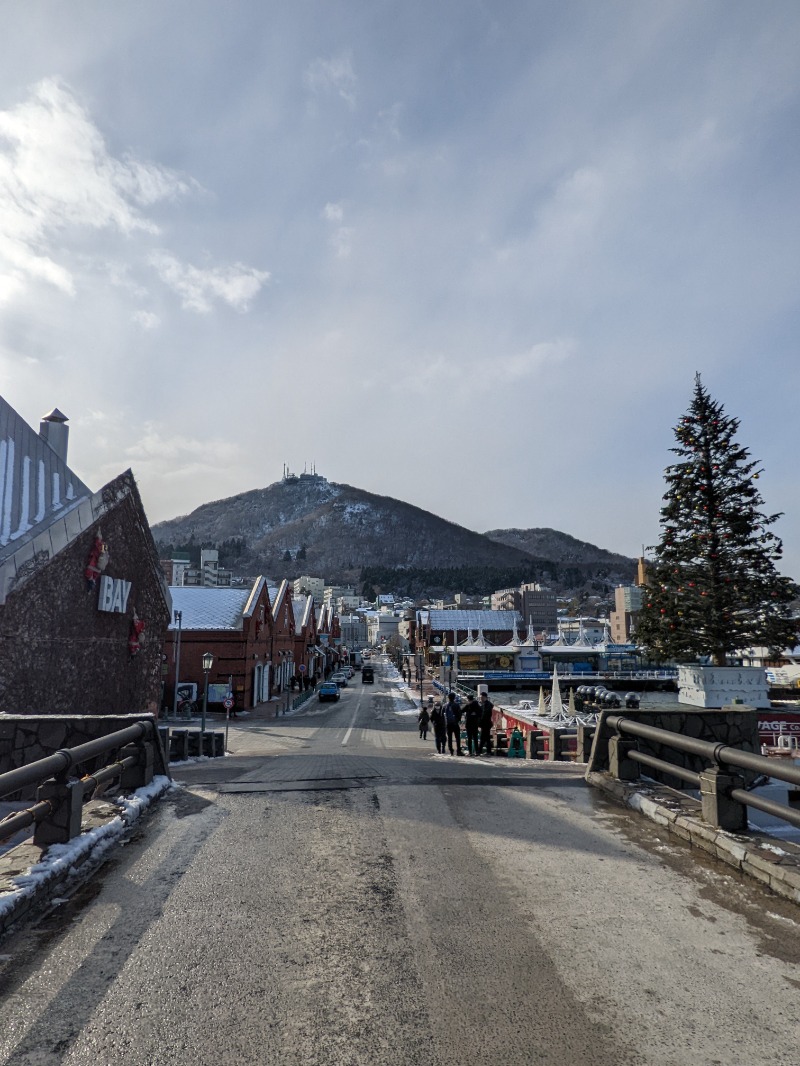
328,690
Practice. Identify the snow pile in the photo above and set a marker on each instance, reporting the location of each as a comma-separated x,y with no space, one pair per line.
62,861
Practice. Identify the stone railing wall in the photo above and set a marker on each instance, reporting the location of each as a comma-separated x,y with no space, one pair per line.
737,727
24,738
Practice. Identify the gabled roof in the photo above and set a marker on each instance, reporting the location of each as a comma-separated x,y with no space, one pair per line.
36,485
210,608
302,607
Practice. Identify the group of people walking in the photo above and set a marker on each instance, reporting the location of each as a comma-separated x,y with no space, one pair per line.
445,720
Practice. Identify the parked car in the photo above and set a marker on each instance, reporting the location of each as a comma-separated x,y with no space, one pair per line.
339,678
367,675
328,690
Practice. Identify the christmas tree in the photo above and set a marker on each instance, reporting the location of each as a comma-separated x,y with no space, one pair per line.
712,586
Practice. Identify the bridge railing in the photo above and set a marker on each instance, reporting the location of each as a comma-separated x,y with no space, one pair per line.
724,799
57,812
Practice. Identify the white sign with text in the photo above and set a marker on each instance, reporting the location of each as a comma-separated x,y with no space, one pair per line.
114,592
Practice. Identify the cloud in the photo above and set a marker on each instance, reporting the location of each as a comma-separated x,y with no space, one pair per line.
146,319
437,371
334,75
59,181
235,285
341,239
56,175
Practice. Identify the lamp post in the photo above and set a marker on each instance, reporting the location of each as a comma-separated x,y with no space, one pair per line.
208,662
178,619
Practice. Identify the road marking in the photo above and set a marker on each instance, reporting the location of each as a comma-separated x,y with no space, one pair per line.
355,715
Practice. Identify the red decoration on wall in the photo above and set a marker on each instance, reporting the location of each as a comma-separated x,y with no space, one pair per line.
136,630
96,563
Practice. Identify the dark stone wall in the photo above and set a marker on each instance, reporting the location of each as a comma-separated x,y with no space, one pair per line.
738,728
26,738
58,653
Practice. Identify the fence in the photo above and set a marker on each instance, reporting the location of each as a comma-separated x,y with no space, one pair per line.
723,797
57,812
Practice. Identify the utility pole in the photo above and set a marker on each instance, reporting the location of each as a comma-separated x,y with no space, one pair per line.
178,620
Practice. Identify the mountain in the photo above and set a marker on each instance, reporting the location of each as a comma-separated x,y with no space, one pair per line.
338,530
564,549
313,526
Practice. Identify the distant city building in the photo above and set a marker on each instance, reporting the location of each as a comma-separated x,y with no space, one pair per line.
209,574
538,606
380,626
354,631
310,586
331,594
627,605
175,568
590,630
506,600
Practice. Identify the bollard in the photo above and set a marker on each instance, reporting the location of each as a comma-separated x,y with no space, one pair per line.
179,745
133,777
64,823
583,748
717,806
553,745
619,764
163,732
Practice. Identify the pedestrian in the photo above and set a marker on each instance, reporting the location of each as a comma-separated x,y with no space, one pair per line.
487,707
424,718
472,723
439,723
452,713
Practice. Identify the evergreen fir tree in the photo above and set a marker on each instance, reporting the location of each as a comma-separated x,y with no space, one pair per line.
712,587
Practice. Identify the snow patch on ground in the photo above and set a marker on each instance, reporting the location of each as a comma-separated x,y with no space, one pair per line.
61,859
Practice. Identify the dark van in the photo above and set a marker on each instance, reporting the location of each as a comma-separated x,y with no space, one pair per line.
367,675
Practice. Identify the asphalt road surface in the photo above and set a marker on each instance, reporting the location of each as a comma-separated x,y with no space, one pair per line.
337,894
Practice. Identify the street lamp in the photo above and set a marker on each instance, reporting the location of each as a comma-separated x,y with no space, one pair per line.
208,662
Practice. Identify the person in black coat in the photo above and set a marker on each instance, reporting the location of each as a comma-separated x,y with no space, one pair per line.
424,719
452,713
472,723
439,723
486,724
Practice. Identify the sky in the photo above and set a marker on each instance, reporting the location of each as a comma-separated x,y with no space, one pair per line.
466,254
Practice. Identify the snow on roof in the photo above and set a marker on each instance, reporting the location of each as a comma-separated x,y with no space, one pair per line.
209,608
489,620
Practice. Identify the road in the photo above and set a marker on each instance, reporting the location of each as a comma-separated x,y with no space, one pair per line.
334,893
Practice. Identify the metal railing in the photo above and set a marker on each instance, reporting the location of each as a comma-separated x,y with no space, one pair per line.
718,757
59,800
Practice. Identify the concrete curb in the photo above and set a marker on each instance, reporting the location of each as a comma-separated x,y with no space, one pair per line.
30,875
773,862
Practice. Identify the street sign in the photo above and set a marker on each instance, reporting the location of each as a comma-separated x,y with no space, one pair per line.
302,668
227,703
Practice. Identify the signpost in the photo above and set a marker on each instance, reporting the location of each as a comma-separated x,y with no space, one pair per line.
227,703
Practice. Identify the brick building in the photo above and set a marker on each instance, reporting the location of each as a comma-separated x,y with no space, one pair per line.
83,603
236,626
